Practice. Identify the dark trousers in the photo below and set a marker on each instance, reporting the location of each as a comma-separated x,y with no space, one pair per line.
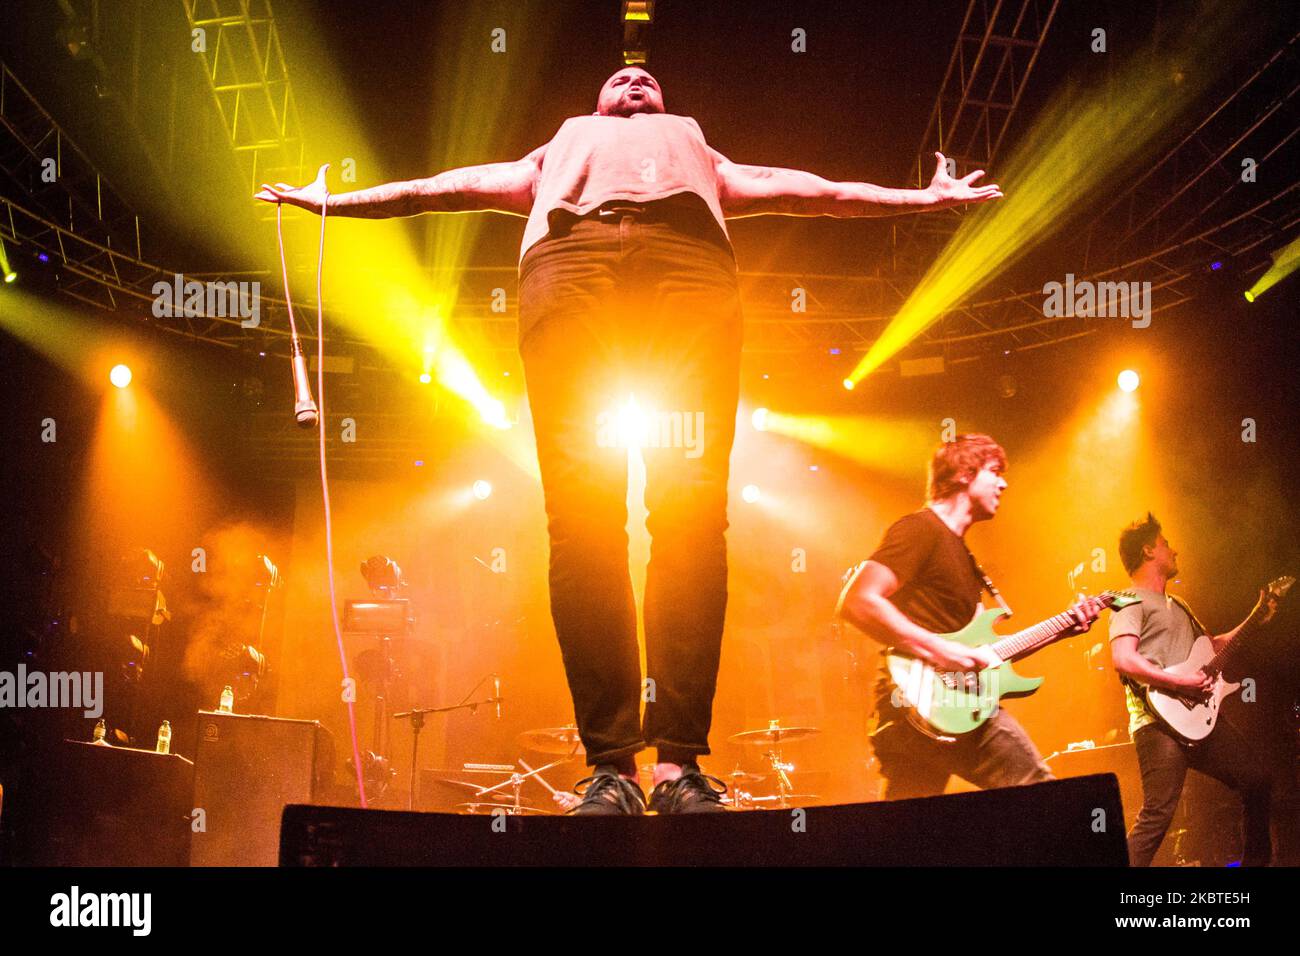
649,307
997,754
1224,755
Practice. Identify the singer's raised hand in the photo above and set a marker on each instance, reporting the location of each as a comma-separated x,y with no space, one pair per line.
310,197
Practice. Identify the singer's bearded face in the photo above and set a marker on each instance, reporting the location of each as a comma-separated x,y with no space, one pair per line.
629,91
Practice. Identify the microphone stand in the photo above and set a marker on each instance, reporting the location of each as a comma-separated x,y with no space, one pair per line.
416,714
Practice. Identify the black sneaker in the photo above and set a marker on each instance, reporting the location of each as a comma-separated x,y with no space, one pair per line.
606,793
692,792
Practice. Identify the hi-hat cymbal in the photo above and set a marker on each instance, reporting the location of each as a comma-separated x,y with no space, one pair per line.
777,799
562,741
509,808
774,735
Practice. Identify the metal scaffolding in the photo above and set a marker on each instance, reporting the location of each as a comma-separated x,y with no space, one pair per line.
996,50
70,210
1165,227
246,72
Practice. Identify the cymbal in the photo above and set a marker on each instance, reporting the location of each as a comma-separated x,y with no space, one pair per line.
509,808
446,781
744,777
774,735
501,770
562,741
791,797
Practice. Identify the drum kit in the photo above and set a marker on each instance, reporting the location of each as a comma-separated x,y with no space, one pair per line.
498,788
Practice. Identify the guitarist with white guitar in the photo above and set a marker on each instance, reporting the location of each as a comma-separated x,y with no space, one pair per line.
1171,670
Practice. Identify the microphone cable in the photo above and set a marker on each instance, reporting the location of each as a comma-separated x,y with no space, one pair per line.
324,477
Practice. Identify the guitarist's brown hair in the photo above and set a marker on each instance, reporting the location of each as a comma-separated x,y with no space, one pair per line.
961,458
1138,535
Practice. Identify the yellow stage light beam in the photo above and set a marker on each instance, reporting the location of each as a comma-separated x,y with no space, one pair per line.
63,336
375,283
1285,261
474,97
887,445
1081,141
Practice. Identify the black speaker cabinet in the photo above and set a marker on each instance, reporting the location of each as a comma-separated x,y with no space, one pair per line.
95,805
246,770
1119,759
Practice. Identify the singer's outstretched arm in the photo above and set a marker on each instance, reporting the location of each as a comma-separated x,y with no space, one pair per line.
494,187
772,191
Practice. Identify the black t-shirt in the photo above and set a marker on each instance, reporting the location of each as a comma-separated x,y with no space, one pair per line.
938,586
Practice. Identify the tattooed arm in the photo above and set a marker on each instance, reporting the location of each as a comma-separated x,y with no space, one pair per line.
772,191
497,187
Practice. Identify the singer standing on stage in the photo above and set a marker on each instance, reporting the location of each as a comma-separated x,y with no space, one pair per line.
627,284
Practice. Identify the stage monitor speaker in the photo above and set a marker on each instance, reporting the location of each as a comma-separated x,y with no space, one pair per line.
1119,759
1077,822
110,806
246,769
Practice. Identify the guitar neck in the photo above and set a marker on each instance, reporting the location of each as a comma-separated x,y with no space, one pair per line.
1041,634
1221,658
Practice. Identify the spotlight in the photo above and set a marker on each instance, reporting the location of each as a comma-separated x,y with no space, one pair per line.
75,36
382,575
749,493
482,489
1250,296
425,378
759,419
120,376
642,10
848,384
1216,265
493,412
10,276
43,256
1128,380
835,350
265,574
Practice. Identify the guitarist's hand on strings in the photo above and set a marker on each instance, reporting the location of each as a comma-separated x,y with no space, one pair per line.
952,656
1198,686
1085,611
1265,607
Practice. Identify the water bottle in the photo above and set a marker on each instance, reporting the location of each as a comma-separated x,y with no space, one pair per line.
165,738
227,701
100,730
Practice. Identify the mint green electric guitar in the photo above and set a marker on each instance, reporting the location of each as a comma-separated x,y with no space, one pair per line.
947,704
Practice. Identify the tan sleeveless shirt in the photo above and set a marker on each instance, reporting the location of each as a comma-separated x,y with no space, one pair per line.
642,157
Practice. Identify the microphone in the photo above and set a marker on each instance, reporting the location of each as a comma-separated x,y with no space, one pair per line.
304,408
496,684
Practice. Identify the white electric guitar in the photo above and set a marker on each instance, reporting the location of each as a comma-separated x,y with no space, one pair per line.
1190,715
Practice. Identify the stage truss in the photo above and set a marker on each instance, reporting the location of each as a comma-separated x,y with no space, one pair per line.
1191,206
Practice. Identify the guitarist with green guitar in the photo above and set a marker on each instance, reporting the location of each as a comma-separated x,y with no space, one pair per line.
919,594
1171,668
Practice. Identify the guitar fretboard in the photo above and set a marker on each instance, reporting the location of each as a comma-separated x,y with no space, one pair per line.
1022,642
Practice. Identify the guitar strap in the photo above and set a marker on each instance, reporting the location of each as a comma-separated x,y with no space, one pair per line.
988,584
1197,626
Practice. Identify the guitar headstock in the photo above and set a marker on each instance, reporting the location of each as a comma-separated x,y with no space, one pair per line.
1120,599
1278,587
